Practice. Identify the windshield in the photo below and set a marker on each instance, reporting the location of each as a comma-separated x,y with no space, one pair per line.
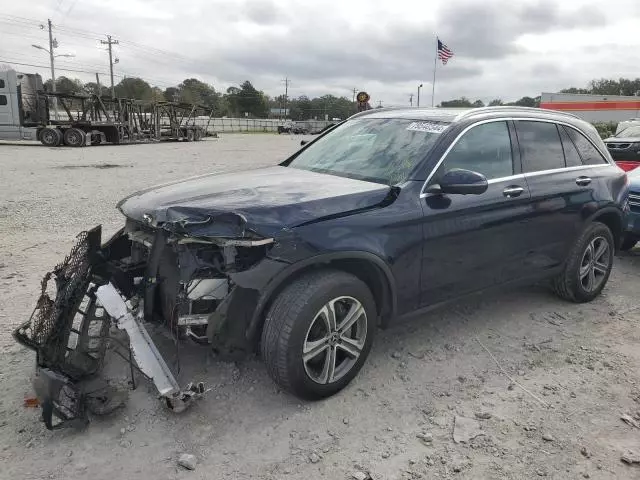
382,150
629,132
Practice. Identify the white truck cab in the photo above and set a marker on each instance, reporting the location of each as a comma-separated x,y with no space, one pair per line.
20,110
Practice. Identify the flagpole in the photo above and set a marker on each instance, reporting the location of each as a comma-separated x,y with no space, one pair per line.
435,66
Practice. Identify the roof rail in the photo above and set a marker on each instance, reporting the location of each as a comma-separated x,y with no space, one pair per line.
364,113
513,108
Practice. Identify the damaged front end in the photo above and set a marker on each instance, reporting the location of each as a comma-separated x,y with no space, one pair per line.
145,273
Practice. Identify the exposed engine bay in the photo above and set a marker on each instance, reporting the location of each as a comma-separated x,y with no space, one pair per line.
142,274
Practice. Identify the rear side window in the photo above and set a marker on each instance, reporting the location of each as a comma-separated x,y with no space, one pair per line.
540,146
571,155
589,154
3,99
1,83
485,149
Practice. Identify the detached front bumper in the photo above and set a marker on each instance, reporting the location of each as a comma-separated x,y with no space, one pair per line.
69,330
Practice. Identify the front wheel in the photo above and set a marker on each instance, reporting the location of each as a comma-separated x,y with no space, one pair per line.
318,333
50,137
588,266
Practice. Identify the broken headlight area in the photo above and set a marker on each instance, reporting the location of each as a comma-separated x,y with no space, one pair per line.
142,274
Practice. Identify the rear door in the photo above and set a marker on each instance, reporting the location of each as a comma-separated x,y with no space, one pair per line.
475,241
561,185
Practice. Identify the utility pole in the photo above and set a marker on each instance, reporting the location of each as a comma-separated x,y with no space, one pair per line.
411,99
286,94
354,94
51,45
379,103
110,43
98,83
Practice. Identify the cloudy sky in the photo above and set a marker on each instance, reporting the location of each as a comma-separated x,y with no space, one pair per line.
503,48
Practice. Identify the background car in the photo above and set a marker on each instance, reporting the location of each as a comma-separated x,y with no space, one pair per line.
624,147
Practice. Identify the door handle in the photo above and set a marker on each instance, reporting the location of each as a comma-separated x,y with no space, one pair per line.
513,191
583,181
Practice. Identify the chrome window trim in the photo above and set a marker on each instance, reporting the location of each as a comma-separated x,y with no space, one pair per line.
517,176
515,119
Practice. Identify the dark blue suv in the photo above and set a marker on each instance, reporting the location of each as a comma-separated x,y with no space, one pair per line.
387,214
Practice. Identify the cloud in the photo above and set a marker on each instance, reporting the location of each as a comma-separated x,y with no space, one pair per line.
490,29
503,48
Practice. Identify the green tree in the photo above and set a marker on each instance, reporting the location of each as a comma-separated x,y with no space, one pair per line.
495,103
247,100
65,85
194,91
157,95
527,102
133,87
172,94
92,89
457,103
575,90
478,103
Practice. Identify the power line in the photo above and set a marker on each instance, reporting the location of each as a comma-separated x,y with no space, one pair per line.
47,66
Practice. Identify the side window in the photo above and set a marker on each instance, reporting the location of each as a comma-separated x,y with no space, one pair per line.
571,155
539,145
590,155
1,83
3,99
485,149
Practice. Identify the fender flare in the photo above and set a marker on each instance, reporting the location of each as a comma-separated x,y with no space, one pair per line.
605,211
281,278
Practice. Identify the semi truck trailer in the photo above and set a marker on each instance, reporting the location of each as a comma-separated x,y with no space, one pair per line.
28,112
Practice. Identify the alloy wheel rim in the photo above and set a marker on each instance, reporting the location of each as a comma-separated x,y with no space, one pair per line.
595,264
335,340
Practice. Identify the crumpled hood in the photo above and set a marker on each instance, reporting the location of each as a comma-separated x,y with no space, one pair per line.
263,201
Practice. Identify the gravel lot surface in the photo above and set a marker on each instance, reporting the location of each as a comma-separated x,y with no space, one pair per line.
535,386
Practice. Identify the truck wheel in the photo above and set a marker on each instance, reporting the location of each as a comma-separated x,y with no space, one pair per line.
588,265
190,135
74,137
318,333
198,135
50,137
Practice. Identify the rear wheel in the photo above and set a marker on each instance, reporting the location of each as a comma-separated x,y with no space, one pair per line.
190,135
318,333
50,137
588,266
74,137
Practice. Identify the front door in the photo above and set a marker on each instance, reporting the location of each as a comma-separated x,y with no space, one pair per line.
476,241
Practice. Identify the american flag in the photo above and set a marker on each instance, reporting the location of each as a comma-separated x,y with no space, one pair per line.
444,53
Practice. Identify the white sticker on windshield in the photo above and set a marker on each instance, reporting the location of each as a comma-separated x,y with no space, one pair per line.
428,127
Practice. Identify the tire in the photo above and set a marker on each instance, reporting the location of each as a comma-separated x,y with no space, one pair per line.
297,317
198,135
570,284
50,137
190,135
628,243
74,137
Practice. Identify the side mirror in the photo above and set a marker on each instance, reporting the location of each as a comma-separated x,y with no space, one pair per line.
461,182
303,142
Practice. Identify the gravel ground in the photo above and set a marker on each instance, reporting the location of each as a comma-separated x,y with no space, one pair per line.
539,383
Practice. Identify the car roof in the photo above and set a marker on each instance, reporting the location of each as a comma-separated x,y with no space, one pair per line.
452,115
